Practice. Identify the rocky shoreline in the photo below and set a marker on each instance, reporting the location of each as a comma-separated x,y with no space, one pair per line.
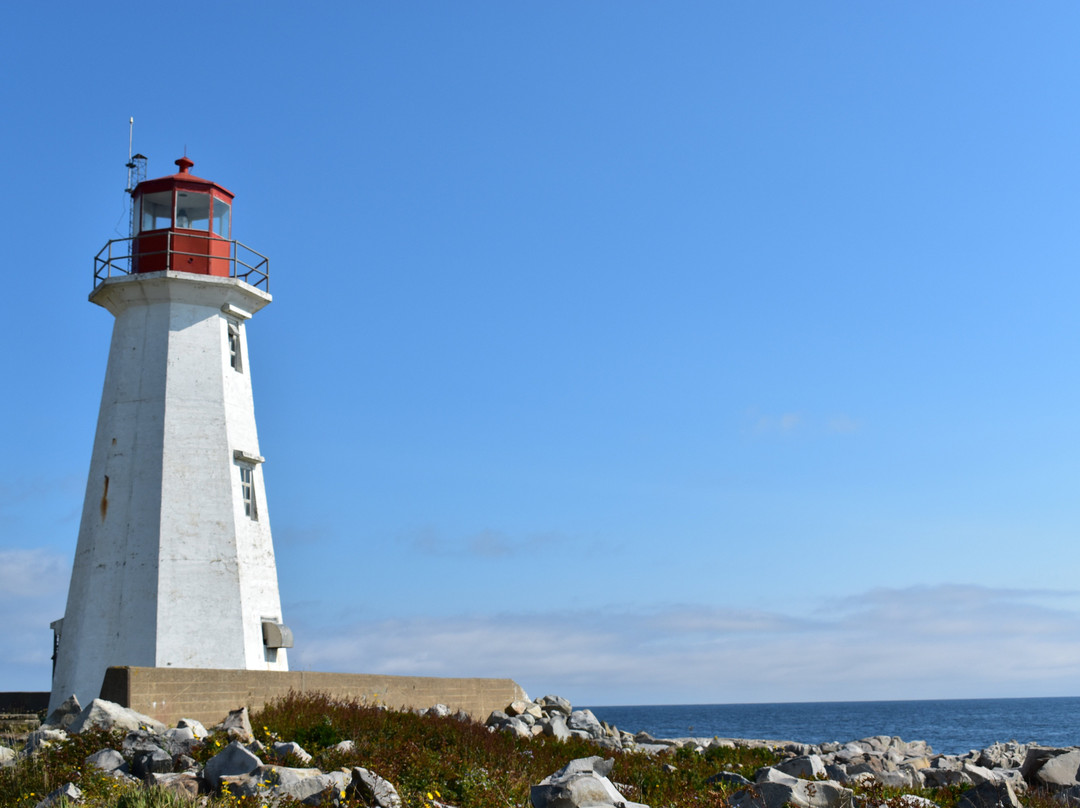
807,776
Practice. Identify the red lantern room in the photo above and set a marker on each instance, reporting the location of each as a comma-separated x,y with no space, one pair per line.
182,222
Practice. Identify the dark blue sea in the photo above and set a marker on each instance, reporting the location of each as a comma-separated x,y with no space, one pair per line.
950,726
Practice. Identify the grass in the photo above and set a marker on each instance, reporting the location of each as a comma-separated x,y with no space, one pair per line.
428,759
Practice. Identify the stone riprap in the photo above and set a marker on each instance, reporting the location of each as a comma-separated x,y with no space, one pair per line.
809,776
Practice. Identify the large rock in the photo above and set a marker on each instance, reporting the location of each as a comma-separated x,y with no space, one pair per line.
806,767
1009,755
555,726
107,760
936,777
233,760
62,716
1060,771
67,794
183,784
197,729
237,726
555,704
850,753
977,774
517,726
283,749
151,761
581,783
1037,757
585,721
989,795
275,782
772,774
107,715
803,794
180,741
42,739
371,789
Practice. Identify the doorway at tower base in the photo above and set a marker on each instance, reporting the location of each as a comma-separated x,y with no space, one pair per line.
208,694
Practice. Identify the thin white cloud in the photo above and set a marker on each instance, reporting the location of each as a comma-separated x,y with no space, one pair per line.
843,425
33,586
783,423
796,422
35,573
485,544
948,641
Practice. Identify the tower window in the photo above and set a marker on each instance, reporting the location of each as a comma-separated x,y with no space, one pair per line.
247,490
235,358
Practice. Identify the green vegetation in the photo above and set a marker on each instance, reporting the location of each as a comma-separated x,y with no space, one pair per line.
429,760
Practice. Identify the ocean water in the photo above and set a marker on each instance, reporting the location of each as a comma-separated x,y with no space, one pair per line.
950,726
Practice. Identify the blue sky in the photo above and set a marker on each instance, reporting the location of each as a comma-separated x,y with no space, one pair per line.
642,352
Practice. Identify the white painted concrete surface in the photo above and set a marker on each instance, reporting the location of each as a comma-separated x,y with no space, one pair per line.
169,569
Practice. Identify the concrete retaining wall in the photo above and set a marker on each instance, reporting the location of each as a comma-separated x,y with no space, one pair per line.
169,694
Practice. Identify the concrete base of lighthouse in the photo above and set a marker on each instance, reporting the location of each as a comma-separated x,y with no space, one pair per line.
168,694
174,565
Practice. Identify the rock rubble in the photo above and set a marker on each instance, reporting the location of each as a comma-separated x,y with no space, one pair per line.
809,776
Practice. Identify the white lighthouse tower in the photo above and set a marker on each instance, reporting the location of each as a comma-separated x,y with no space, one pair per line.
174,564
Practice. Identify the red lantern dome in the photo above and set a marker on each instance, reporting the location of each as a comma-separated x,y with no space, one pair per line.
182,223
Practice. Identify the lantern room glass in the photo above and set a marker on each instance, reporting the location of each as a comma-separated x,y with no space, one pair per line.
222,213
156,211
192,210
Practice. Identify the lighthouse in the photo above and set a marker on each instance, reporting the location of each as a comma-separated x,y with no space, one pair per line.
174,565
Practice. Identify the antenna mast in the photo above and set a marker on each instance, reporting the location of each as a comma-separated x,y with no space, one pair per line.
136,166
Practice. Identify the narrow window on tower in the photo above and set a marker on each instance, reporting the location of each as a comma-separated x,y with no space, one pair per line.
247,490
235,358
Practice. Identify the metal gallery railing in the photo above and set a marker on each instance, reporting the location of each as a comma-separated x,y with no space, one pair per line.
120,256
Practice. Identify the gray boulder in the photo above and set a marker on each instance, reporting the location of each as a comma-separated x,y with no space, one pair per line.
7,756
151,761
581,783
371,789
850,753
42,739
516,726
65,795
904,777
283,749
1009,755
1035,759
179,741
183,784
555,704
806,767
237,726
939,778
585,721
989,795
803,794
107,760
231,761
977,774
772,774
197,729
107,715
62,716
555,726
276,782
140,741
1060,771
